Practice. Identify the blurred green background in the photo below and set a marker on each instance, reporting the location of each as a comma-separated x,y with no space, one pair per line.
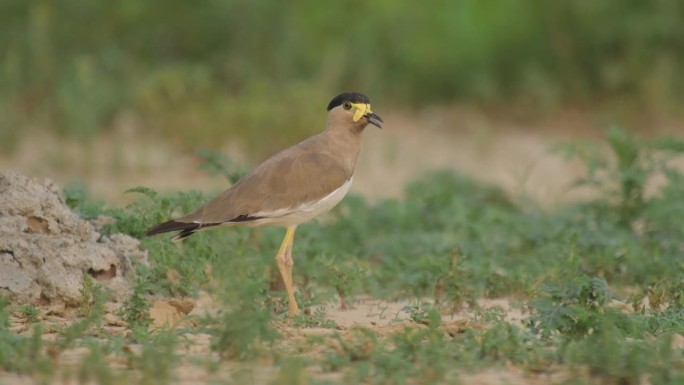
201,72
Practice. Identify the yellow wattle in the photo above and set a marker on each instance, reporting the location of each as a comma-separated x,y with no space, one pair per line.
361,110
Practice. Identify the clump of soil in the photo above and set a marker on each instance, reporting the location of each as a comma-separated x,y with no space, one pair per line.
46,249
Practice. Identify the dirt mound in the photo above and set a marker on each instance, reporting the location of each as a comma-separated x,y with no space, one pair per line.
45,248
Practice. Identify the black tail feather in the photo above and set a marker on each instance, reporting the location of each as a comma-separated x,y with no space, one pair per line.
184,234
187,228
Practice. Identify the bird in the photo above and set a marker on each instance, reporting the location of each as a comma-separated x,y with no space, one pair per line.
291,187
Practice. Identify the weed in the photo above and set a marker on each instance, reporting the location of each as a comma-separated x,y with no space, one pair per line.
610,357
359,346
667,321
423,313
316,320
77,198
93,297
490,315
23,354
417,347
94,368
241,331
142,214
30,313
216,163
451,284
343,275
292,371
243,325
136,310
505,342
626,170
158,359
576,309
93,318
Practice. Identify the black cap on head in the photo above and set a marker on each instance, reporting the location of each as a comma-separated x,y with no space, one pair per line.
353,97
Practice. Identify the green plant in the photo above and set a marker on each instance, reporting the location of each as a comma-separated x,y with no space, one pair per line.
93,297
31,355
243,326
94,367
626,170
216,163
292,371
240,333
316,320
506,342
22,354
359,346
77,198
426,351
342,274
30,313
423,313
136,310
158,359
142,214
576,309
70,335
611,358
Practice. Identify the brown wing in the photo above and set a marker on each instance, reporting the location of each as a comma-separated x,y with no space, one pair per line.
286,180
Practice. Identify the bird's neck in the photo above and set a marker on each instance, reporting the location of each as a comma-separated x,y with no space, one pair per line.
345,142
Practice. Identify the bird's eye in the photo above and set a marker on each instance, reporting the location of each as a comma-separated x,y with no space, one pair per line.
347,105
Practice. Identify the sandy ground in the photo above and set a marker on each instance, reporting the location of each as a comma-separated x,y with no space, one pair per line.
384,318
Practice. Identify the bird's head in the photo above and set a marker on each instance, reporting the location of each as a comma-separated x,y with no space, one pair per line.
354,108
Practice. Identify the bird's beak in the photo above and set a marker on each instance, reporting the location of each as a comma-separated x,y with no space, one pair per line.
374,119
364,111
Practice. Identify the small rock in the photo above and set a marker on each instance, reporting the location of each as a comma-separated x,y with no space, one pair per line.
112,320
164,315
185,306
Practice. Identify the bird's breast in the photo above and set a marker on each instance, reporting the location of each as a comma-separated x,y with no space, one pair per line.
303,212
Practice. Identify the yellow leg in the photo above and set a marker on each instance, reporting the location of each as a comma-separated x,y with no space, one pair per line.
285,263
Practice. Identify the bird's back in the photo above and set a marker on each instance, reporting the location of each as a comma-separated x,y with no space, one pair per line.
301,174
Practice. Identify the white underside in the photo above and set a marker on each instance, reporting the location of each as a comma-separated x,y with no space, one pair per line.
296,215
